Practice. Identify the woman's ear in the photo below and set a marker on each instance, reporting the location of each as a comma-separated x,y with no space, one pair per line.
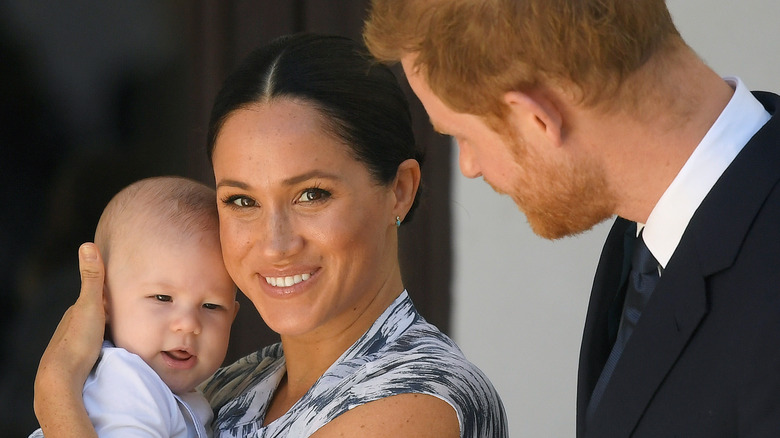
407,181
535,116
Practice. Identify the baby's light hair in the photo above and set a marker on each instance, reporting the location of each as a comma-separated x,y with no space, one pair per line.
166,206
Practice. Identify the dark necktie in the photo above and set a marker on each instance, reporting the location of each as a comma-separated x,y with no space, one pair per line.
642,279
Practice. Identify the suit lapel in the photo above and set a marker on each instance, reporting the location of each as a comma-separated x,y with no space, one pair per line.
675,310
710,244
595,341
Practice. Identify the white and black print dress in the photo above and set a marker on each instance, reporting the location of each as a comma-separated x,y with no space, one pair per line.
401,353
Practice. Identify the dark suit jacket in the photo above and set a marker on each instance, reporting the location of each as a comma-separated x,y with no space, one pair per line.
704,359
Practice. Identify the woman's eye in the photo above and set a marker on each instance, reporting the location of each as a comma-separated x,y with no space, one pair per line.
163,298
242,201
313,194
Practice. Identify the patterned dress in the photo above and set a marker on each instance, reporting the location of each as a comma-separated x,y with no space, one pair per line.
401,353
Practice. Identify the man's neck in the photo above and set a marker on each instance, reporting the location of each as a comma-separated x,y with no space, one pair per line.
643,148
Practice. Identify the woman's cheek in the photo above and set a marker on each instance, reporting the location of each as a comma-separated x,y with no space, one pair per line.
234,242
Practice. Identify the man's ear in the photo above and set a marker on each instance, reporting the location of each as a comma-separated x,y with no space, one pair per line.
537,117
407,181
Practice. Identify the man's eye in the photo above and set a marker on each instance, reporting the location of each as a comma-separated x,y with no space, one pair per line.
164,298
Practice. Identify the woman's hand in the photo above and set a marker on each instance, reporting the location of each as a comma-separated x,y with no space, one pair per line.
71,354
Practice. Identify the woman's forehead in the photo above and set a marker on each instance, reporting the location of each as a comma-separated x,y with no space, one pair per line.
279,140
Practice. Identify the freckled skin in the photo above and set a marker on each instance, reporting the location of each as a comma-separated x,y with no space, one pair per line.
293,200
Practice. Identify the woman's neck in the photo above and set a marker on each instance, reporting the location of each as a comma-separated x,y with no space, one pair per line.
308,356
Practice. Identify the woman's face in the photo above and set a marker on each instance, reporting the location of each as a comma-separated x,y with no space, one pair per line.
307,234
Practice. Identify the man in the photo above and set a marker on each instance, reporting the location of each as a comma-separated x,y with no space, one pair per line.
581,110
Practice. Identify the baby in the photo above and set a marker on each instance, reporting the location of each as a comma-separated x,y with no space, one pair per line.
169,307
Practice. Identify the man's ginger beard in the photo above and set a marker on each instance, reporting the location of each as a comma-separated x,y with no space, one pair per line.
558,199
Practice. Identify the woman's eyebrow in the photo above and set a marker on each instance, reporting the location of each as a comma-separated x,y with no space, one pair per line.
310,175
288,182
232,183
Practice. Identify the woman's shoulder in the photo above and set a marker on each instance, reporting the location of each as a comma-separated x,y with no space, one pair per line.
234,379
251,364
423,360
254,361
404,353
426,357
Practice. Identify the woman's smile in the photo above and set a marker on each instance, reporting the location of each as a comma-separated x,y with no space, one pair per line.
288,280
288,285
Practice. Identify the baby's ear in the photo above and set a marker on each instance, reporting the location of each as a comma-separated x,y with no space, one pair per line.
107,335
235,312
105,303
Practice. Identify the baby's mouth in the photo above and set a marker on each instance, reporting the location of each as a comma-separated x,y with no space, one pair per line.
179,359
180,355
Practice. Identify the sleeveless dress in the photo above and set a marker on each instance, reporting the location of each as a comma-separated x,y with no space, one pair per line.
401,353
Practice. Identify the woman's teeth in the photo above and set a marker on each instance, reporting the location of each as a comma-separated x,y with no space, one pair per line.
287,281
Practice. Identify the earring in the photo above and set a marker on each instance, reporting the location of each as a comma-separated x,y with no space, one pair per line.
397,221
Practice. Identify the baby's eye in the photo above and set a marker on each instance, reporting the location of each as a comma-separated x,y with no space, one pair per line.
212,306
164,298
313,194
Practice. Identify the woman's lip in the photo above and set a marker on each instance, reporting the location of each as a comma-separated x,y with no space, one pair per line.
285,291
287,280
289,277
179,359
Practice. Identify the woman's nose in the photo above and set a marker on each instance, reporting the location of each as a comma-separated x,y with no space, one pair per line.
282,238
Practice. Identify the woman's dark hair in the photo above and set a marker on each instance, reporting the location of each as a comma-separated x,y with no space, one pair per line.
359,99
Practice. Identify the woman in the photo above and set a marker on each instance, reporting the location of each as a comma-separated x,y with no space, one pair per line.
316,168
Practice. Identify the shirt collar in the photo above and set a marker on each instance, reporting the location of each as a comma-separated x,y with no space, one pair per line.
740,120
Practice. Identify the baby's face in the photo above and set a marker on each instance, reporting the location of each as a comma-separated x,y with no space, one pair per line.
173,305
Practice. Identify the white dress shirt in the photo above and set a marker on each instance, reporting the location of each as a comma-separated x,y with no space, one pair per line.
740,120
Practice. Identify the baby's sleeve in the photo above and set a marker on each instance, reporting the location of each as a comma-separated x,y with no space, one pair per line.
124,397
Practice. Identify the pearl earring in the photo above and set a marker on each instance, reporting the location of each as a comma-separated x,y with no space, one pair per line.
398,221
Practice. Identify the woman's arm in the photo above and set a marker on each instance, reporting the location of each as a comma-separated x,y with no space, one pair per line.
403,415
70,355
